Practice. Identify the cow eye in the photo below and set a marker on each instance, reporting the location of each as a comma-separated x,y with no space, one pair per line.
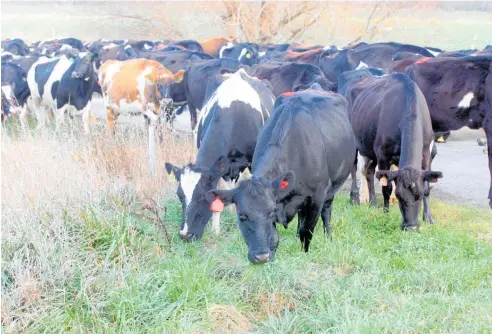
243,217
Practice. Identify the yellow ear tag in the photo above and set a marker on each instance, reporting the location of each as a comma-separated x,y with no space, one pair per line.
248,55
172,178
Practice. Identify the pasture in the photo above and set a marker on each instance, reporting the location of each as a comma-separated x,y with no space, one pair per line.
84,227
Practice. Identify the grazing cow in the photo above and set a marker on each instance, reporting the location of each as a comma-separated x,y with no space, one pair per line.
245,53
290,77
137,87
392,125
303,155
194,84
64,84
15,89
229,125
16,47
211,46
459,93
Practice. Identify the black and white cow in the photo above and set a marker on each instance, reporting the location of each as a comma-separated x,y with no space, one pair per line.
458,92
392,126
290,77
16,90
228,127
303,155
16,47
63,84
245,53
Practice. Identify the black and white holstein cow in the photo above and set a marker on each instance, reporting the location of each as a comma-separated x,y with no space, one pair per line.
303,155
16,90
458,92
63,84
228,128
245,53
392,125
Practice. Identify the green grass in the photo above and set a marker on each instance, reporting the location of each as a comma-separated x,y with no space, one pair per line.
369,277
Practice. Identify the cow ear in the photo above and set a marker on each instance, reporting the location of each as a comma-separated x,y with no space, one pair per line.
175,170
385,176
225,196
284,184
431,176
178,77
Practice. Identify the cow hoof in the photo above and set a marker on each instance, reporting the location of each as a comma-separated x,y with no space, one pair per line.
412,228
490,203
428,219
354,200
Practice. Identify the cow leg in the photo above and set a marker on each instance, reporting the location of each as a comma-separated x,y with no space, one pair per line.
42,116
326,215
488,131
426,165
110,120
23,119
307,218
369,170
60,118
152,121
386,189
86,118
354,191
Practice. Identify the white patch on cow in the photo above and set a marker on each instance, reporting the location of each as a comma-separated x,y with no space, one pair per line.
231,90
434,53
109,46
466,100
188,181
262,53
242,54
65,47
111,70
7,90
229,45
362,65
128,47
147,46
43,52
31,82
142,81
6,53
58,71
431,146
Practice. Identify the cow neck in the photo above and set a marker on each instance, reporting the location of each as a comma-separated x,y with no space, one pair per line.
412,139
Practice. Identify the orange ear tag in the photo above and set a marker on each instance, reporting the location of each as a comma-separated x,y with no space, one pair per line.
287,94
283,185
217,205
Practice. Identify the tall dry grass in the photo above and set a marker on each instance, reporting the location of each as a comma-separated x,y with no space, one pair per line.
47,183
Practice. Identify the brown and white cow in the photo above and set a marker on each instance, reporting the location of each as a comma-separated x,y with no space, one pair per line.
137,87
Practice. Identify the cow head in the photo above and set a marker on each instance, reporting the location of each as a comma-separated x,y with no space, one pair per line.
194,183
258,211
245,53
411,186
164,88
84,68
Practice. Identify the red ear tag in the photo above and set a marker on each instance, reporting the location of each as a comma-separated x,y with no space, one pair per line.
217,205
283,185
287,94
423,60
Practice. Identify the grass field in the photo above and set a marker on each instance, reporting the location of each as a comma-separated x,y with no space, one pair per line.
75,258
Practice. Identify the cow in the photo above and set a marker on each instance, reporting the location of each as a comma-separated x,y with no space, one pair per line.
190,45
392,126
174,60
245,53
228,128
64,84
16,90
290,77
458,92
303,155
137,87
114,52
194,84
211,46
16,47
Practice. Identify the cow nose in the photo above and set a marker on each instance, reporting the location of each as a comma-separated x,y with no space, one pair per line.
189,237
261,258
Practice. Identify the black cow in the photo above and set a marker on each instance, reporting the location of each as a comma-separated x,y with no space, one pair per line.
63,83
229,125
392,125
16,47
459,93
194,84
245,53
190,45
303,155
290,77
174,61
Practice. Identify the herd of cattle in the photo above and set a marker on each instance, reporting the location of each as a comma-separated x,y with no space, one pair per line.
295,116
